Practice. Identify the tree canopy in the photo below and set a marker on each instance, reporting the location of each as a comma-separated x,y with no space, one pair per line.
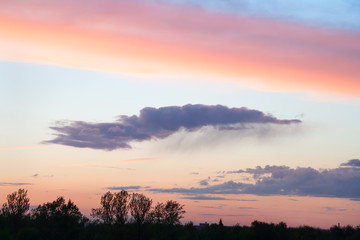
17,204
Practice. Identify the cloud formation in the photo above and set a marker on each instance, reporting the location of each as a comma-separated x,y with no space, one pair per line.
351,163
282,180
158,123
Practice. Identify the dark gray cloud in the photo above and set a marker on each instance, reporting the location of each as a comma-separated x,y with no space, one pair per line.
14,184
157,123
351,163
282,180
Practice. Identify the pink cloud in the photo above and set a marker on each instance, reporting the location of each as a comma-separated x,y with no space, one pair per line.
160,38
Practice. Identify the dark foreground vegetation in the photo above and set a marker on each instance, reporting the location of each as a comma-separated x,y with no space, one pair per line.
132,216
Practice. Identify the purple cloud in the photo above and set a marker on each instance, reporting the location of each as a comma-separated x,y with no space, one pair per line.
157,123
351,163
282,180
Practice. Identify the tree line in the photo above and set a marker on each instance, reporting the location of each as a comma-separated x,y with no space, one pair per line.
62,219
122,215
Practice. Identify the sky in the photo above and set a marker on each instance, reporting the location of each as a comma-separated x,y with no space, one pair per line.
241,110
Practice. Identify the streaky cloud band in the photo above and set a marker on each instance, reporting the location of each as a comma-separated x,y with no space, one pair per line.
341,182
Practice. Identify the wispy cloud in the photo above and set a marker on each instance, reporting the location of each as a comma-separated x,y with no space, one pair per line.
21,147
37,175
129,188
213,207
293,199
333,209
139,160
246,208
202,197
158,123
14,184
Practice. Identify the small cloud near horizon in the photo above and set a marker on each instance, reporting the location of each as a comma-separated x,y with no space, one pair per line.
333,209
22,147
282,180
127,188
139,160
14,184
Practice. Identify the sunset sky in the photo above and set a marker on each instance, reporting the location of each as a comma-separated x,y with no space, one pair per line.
241,109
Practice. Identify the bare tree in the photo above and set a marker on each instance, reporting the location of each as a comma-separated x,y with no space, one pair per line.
17,204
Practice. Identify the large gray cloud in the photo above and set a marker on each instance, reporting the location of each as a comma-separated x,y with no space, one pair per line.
157,123
342,182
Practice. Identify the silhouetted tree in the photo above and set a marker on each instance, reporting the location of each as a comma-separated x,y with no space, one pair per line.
17,204
114,208
15,208
105,212
121,206
173,212
58,219
140,207
158,213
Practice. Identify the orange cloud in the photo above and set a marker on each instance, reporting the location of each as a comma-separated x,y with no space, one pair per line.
141,37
